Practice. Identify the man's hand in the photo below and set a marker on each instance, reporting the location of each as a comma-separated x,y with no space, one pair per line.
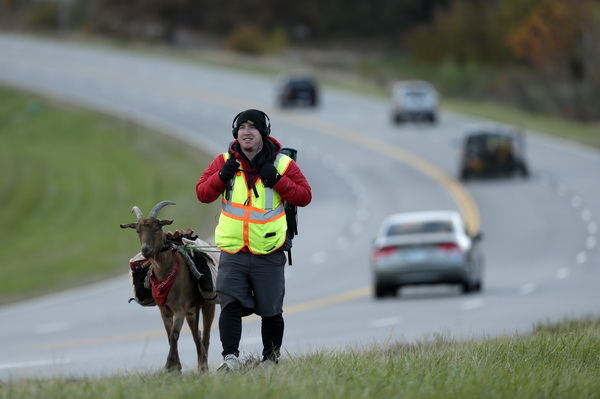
228,170
269,175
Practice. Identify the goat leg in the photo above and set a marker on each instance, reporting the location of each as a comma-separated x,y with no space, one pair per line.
173,323
193,320
208,315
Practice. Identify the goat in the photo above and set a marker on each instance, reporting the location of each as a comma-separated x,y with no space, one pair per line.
183,300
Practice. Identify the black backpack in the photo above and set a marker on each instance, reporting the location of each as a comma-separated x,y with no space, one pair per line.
291,211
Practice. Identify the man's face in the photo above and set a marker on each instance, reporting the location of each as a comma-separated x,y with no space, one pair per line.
249,138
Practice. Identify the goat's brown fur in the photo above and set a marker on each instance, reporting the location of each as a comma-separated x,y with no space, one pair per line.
184,300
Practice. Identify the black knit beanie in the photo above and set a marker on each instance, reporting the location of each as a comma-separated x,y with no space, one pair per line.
253,117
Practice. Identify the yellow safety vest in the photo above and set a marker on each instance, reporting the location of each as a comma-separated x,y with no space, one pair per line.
257,222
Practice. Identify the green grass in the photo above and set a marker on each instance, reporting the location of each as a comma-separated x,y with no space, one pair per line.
68,178
559,360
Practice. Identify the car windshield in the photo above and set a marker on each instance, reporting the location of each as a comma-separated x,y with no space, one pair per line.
420,228
299,81
300,84
413,89
414,93
490,142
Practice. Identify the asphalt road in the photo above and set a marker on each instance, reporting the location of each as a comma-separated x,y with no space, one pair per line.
540,234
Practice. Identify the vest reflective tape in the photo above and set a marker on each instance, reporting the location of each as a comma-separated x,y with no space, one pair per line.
256,222
255,215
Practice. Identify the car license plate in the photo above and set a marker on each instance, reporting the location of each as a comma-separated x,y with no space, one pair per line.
423,277
415,256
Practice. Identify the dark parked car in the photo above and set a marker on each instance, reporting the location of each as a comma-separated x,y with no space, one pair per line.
493,151
430,247
297,90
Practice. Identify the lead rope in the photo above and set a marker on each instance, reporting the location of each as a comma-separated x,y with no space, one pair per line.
199,248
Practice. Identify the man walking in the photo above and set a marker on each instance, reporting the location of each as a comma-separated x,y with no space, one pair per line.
254,179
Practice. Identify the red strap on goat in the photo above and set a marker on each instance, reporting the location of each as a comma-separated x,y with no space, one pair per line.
160,289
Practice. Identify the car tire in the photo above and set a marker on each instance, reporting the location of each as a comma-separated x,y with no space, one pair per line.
479,286
382,291
467,287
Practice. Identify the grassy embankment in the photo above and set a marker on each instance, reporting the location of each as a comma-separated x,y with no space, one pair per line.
556,361
68,178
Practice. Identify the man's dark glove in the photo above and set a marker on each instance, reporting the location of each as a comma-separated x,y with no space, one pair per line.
228,170
269,175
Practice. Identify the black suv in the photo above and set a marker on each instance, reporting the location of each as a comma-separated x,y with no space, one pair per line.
493,151
297,91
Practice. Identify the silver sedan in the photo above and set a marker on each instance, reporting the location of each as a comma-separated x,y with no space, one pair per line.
429,247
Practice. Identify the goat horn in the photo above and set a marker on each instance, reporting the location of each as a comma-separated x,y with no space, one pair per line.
137,212
158,207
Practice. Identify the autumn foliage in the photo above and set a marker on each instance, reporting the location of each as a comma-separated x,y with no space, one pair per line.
561,40
544,55
556,41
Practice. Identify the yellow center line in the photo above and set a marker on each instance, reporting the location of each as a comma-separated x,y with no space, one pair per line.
160,333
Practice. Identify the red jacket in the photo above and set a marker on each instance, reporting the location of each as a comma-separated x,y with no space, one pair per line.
292,186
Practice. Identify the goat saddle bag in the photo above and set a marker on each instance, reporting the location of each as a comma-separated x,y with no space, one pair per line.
139,277
205,258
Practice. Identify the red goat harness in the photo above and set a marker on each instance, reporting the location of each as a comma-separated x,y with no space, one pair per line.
160,289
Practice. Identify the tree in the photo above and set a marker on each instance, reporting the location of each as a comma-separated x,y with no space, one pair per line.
143,18
468,32
561,40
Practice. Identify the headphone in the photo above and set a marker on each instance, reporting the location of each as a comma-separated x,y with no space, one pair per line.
266,132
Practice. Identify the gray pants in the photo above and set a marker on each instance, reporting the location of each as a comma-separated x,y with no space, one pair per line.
248,284
257,282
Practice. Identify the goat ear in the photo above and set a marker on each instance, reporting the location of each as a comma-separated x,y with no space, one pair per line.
128,226
165,222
